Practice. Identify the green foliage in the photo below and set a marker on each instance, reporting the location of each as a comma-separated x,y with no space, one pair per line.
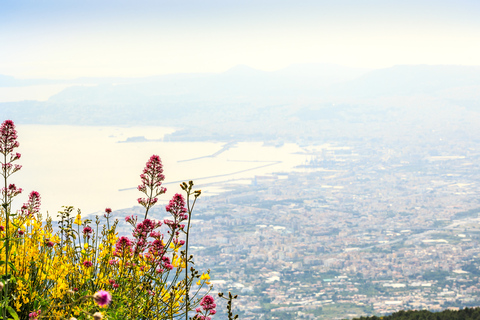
464,314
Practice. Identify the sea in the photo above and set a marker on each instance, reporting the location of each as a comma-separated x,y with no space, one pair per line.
92,168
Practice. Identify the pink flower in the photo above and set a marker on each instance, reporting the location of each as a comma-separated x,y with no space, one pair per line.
87,231
176,207
33,204
8,137
123,246
208,303
87,264
151,186
11,191
108,210
34,315
102,298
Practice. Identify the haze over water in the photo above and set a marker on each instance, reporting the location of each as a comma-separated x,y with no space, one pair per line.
88,168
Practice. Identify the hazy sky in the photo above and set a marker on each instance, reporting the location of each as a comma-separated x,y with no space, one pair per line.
72,38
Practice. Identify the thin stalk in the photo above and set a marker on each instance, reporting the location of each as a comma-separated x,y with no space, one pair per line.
190,211
7,236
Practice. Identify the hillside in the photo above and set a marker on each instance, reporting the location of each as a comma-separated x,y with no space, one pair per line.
464,314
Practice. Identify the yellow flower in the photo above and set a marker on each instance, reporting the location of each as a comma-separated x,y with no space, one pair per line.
204,276
174,246
78,220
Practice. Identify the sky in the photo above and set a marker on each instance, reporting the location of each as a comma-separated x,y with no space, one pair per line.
77,38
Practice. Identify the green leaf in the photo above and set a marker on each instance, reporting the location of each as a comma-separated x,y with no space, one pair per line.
13,313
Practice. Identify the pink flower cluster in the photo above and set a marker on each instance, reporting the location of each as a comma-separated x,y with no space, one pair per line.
10,192
152,178
176,207
33,204
123,247
34,315
8,139
113,283
87,231
208,305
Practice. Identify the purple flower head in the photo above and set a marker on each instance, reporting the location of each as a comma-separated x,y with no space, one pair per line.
176,207
8,137
102,298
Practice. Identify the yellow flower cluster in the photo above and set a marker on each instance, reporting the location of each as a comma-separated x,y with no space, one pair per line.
54,269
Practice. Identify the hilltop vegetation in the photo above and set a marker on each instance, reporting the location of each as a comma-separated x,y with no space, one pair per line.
464,314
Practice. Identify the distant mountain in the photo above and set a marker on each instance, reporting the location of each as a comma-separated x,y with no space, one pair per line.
242,83
248,100
409,80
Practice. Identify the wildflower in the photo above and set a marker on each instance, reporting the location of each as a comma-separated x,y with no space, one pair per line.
34,315
176,207
21,232
208,303
2,228
8,137
204,276
123,245
33,204
152,178
156,247
15,156
87,231
87,264
78,219
11,191
108,210
50,244
102,298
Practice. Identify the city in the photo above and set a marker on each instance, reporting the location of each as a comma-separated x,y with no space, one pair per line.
356,230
